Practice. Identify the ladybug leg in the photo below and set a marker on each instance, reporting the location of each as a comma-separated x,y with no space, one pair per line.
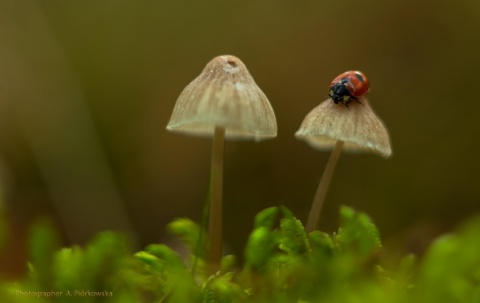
356,99
346,100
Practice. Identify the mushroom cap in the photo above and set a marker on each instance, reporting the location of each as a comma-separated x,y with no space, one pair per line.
356,125
224,95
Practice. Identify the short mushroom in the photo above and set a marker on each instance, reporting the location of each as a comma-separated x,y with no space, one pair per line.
223,102
354,128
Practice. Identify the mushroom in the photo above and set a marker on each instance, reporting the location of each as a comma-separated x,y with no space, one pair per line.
354,128
223,102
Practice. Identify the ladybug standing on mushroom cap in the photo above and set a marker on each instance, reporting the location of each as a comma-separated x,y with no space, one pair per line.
348,86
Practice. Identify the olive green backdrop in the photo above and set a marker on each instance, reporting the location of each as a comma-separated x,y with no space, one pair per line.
87,88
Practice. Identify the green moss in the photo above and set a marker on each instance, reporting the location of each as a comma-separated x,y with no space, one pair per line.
282,264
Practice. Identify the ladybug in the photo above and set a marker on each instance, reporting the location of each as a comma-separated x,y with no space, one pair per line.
348,86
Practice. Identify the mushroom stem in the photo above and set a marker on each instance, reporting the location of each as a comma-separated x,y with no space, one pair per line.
216,188
322,189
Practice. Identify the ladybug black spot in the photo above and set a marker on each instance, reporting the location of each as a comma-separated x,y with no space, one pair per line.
359,77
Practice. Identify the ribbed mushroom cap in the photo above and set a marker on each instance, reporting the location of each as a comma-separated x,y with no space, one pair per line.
224,95
356,125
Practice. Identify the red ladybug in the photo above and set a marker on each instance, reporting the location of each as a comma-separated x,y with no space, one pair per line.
348,86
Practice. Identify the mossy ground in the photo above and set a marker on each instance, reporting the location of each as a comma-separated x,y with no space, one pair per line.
282,264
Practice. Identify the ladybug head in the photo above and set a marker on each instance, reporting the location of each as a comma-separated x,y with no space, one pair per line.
339,92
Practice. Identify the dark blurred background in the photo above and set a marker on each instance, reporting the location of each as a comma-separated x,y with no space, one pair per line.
87,88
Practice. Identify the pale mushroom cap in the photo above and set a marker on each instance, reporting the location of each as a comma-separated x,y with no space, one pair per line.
224,95
356,125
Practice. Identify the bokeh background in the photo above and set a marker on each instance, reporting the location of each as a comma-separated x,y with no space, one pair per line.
87,88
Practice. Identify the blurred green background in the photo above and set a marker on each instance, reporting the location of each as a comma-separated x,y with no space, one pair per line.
87,88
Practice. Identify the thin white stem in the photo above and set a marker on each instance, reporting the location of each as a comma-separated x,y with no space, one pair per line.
216,193
322,189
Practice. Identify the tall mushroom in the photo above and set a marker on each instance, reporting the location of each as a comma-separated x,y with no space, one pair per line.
335,126
223,102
